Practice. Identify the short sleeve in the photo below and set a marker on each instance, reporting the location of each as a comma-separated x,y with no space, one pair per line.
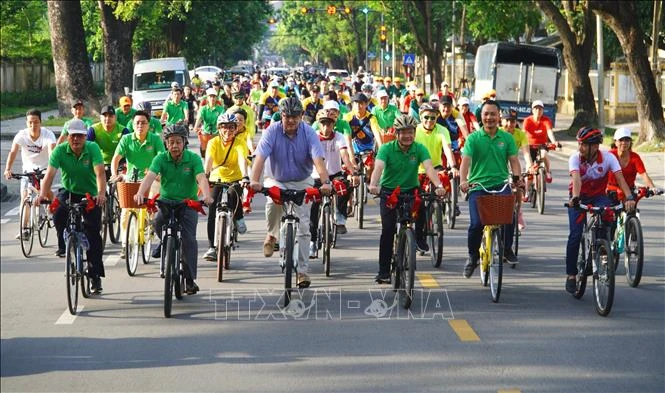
54,159
340,141
423,154
383,152
96,154
156,164
639,165
18,138
467,150
574,163
121,149
612,162
198,165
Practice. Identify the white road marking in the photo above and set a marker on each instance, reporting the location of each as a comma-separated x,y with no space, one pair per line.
67,318
4,221
13,212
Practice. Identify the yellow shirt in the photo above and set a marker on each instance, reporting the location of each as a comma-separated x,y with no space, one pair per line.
519,136
230,171
433,142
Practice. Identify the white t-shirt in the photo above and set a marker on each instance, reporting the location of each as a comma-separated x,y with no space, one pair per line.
34,154
331,152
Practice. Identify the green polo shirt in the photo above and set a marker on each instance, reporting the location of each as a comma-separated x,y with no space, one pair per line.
122,118
178,178
77,173
176,112
154,126
65,128
401,168
139,154
385,117
433,142
209,118
489,157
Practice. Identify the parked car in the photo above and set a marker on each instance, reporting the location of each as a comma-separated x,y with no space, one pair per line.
341,75
206,73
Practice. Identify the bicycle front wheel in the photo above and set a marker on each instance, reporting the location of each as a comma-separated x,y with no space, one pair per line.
582,262
634,250
452,203
603,278
221,246
104,226
114,218
434,229
326,237
288,266
71,274
496,265
42,224
540,199
407,266
169,275
27,231
132,244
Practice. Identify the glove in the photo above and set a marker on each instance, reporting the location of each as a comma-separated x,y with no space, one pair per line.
91,202
340,187
55,204
196,205
416,204
391,202
312,194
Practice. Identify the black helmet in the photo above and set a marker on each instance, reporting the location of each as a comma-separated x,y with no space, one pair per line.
427,107
405,121
145,106
175,129
589,135
290,106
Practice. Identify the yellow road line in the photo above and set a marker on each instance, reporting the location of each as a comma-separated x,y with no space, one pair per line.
463,330
513,390
427,280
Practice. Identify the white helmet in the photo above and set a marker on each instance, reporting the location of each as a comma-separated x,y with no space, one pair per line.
622,132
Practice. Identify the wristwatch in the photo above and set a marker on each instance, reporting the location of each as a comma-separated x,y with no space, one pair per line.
630,197
327,181
440,186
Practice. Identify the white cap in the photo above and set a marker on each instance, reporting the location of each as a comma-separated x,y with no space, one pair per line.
77,126
537,103
381,93
330,104
211,92
174,85
622,132
434,97
463,101
444,83
274,84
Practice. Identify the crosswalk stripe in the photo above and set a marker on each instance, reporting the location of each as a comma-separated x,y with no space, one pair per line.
511,390
463,330
427,280
4,220
12,212
67,318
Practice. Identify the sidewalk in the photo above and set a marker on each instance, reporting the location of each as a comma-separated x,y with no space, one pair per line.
9,128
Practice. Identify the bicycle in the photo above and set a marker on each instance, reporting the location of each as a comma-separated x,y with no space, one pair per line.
452,198
516,230
111,215
38,220
595,257
288,241
172,266
434,207
365,160
495,211
539,185
140,234
327,232
226,233
628,239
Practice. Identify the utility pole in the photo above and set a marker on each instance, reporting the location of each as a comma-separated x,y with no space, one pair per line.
392,58
452,73
601,71
381,51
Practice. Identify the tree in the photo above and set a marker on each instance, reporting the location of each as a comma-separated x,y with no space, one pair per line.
621,17
24,30
575,24
500,20
73,78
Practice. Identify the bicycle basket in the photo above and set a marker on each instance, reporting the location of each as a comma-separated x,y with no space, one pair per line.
126,192
496,209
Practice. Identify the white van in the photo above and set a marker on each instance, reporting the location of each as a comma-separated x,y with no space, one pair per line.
153,78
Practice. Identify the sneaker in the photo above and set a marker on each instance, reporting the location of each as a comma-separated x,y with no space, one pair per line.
571,285
470,267
60,253
548,177
303,280
458,212
123,252
246,209
96,285
241,226
157,251
24,236
340,219
190,287
313,250
210,255
510,257
382,279
341,229
421,245
269,246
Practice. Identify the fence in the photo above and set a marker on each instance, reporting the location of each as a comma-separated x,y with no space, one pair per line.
18,77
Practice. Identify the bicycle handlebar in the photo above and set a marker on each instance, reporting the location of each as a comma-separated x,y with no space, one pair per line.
472,185
589,207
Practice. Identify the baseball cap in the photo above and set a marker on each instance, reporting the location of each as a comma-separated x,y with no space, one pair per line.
381,93
274,84
77,102
77,126
124,100
463,101
211,92
420,92
174,85
330,104
387,79
537,103
446,100
434,97
360,97
444,83
397,79
108,109
489,94
622,132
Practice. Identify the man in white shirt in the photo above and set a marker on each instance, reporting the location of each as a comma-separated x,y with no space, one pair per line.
36,144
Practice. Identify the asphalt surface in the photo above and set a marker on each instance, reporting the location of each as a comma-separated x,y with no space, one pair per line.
347,334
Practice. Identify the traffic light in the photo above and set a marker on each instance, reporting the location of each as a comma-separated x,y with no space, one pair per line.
332,10
303,10
347,10
383,34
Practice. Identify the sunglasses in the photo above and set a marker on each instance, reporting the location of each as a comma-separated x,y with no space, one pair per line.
429,117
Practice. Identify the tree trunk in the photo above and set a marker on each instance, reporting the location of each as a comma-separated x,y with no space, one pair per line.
577,48
118,60
73,77
621,17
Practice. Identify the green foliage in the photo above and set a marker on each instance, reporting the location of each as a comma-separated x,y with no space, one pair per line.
28,98
24,30
500,20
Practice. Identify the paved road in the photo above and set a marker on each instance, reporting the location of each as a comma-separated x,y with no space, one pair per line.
537,338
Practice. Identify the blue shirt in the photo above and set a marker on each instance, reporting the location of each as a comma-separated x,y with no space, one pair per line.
291,158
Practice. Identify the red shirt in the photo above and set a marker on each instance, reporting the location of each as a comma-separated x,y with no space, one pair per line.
469,118
536,131
630,171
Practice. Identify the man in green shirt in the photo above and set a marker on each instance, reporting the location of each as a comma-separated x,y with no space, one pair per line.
125,112
385,114
175,110
78,110
397,166
485,158
82,171
154,125
206,123
181,171
107,134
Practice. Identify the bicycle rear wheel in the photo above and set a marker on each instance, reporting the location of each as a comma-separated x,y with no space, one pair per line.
541,190
288,266
105,224
179,273
169,280
451,204
42,225
71,274
516,235
326,237
603,278
27,231
496,265
407,265
634,250
221,247
148,240
582,262
434,227
114,220
132,244
360,202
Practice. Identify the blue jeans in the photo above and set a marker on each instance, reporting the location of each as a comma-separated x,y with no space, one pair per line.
576,220
475,234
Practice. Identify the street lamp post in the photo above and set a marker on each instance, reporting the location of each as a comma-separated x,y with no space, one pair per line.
366,11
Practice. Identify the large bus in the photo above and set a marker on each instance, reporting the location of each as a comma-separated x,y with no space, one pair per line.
520,74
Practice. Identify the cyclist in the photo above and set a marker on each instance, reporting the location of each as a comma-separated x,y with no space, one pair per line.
538,128
154,126
268,103
293,149
385,114
249,118
175,110
82,171
631,163
399,89
397,165
107,134
125,113
207,118
416,102
445,91
312,104
181,171
509,122
225,161
484,160
364,129
469,118
192,105
452,119
489,95
336,152
36,144
589,168
78,110
138,149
